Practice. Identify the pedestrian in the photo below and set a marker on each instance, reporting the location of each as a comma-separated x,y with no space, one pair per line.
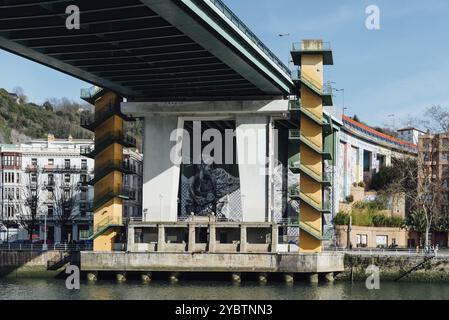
436,250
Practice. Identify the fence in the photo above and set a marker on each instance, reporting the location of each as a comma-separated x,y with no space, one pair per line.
40,247
391,252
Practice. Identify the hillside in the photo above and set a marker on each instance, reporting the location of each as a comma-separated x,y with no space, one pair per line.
22,122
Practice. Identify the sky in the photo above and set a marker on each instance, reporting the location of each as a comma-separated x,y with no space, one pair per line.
399,70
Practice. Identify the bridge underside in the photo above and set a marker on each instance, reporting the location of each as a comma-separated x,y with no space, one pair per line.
147,49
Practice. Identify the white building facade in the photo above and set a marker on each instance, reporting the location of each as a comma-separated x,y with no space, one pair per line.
45,186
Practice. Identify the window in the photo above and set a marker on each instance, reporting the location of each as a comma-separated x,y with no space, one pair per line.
33,177
50,195
83,195
34,162
362,240
50,210
67,163
382,241
67,178
83,164
51,179
51,162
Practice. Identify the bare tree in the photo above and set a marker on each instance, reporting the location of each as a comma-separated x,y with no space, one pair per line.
20,94
435,119
423,187
65,204
27,207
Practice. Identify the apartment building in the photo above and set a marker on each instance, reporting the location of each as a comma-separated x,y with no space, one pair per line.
46,185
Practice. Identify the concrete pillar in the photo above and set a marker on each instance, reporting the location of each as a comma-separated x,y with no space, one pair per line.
160,237
330,277
243,238
313,278
212,237
174,277
289,278
274,237
160,170
130,242
120,276
236,277
263,278
191,245
146,277
92,276
75,232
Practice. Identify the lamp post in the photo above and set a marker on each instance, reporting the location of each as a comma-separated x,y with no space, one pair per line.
289,60
44,246
393,116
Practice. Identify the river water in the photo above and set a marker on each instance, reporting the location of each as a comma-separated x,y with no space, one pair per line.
185,290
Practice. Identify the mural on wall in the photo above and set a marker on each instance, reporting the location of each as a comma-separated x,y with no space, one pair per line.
207,189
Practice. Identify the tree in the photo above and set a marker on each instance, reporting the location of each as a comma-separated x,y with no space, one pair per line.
436,119
20,94
27,207
423,191
65,204
47,106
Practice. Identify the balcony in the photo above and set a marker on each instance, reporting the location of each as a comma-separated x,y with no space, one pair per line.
90,121
64,169
31,168
123,193
323,90
126,140
295,134
295,194
114,165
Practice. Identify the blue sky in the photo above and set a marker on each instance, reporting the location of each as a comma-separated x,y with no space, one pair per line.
400,69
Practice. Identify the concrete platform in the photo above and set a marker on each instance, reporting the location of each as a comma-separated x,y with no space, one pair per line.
213,262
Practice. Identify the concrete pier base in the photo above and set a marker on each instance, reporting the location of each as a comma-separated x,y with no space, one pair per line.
174,277
92,276
236,277
313,278
146,277
120,276
263,278
289,278
330,277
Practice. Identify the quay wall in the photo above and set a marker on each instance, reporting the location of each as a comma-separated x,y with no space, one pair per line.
392,266
22,264
212,262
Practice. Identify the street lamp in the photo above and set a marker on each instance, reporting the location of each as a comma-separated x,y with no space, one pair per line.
392,116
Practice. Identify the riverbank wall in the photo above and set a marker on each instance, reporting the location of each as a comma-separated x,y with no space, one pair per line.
23,264
393,266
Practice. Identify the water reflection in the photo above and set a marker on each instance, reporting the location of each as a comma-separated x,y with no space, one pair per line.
184,290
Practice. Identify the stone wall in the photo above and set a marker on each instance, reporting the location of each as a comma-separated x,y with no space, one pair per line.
392,266
35,263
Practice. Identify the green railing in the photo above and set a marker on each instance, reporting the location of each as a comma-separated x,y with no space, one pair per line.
100,227
314,232
239,24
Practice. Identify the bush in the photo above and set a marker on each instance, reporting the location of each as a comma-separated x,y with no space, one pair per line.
341,218
350,199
